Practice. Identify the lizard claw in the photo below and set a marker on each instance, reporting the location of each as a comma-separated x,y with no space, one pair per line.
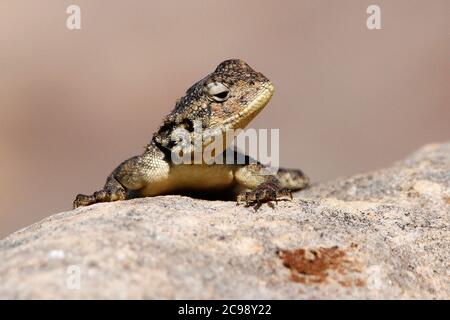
99,196
264,193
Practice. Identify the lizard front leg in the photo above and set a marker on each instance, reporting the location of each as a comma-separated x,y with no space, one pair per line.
124,178
112,191
264,187
131,175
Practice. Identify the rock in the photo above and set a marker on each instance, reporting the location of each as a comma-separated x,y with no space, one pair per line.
383,234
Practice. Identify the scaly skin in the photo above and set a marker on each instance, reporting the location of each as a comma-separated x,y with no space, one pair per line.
228,98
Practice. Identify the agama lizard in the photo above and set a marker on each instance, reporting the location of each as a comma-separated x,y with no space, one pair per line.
228,98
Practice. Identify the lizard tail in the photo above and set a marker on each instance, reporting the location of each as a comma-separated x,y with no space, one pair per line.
292,179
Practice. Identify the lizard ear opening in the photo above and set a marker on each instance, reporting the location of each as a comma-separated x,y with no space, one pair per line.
217,91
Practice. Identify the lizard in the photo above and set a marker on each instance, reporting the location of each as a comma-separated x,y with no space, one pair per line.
226,99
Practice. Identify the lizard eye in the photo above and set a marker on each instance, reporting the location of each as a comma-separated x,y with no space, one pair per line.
217,91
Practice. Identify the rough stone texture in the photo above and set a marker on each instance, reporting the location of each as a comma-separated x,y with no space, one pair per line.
383,234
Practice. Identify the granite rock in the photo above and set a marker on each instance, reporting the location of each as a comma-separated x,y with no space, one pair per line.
383,234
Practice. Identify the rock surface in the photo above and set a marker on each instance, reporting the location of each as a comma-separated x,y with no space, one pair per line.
385,234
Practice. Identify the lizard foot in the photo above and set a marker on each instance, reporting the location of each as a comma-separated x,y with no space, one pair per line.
99,196
266,192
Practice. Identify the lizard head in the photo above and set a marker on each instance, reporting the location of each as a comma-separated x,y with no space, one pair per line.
228,98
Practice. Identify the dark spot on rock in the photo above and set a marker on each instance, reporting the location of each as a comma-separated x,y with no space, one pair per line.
412,193
446,200
313,266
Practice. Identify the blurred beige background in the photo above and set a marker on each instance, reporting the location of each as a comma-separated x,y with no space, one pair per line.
74,104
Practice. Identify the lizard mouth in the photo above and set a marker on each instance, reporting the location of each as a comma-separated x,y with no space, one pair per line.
240,120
